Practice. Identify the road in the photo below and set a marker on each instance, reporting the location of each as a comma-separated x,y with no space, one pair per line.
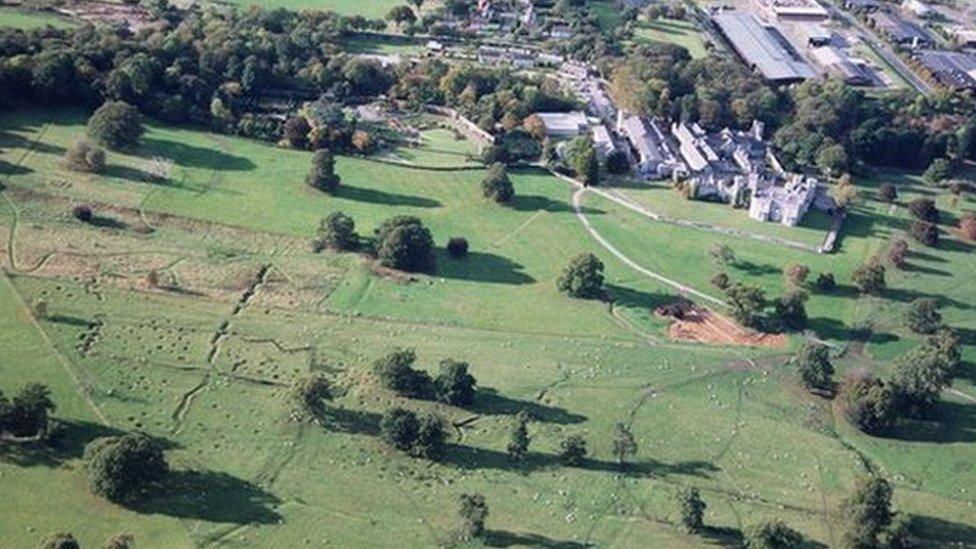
872,41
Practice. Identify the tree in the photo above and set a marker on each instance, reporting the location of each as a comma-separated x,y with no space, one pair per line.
457,247
362,141
920,377
337,231
582,278
720,281
826,282
572,450
887,193
295,132
791,310
722,254
925,233
473,512
813,363
746,302
922,316
867,402
796,274
496,185
692,509
519,440
869,278
772,534
617,163
399,428
586,164
322,174
924,210
28,413
430,437
938,171
115,125
308,392
404,243
845,194
120,541
83,213
967,225
624,445
124,468
832,160
60,540
401,15
83,156
454,385
867,511
898,253
395,372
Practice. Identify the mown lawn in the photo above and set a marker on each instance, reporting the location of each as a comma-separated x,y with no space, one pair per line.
671,31
28,20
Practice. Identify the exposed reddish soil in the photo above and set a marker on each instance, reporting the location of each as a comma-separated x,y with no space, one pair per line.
705,326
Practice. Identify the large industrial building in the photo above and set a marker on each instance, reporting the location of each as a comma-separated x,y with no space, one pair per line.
763,48
953,70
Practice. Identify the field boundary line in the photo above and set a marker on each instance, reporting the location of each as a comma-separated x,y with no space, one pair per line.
65,363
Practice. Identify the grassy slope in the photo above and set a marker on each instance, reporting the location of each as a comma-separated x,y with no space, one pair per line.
23,19
702,416
680,33
374,9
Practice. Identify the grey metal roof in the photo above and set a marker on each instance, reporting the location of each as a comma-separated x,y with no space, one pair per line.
762,47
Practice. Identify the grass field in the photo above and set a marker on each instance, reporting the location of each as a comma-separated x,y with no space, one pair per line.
669,31
24,19
206,369
373,9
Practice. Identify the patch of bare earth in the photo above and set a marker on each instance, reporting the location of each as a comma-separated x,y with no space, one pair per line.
704,326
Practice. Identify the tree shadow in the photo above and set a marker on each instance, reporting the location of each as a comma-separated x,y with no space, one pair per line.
489,402
504,538
373,196
70,321
954,245
535,203
922,256
6,168
103,222
938,532
345,420
69,444
906,295
129,173
190,156
950,422
831,328
212,496
722,536
482,267
921,269
754,269
627,297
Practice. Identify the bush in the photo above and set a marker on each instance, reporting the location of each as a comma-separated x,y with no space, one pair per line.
720,281
83,213
572,450
395,372
692,509
772,535
308,392
83,156
925,233
473,511
813,363
115,125
898,253
791,310
922,316
582,278
887,193
867,402
496,185
617,163
421,436
924,209
869,278
454,385
337,232
457,247
938,171
826,282
747,303
796,274
404,243
60,540
967,225
295,132
124,468
322,174
493,154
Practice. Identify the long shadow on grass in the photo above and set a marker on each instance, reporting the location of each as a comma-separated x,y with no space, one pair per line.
189,156
212,496
482,267
470,457
535,203
69,445
950,422
627,297
130,173
344,420
937,532
723,537
906,295
831,328
504,538
489,402
373,196
6,168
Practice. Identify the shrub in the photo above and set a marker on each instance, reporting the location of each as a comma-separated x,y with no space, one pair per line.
791,310
494,154
746,302
322,174
60,540
83,213
720,281
115,125
337,232
308,392
773,534
582,278
867,402
869,278
399,428
813,363
796,274
826,282
925,233
887,193
120,541
898,253
126,467
496,185
722,254
572,450
395,372
924,209
692,509
454,385
457,247
473,511
404,243
295,132
938,171
83,156
922,316
967,225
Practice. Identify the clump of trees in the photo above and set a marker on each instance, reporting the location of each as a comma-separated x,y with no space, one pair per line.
812,362
869,278
519,440
922,316
83,156
572,450
125,468
868,515
867,402
582,278
772,534
28,413
403,243
692,507
473,511
453,385
337,231
746,303
308,394
496,186
418,435
115,125
322,175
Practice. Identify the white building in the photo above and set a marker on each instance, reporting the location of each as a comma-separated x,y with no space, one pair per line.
602,141
917,8
564,125
654,157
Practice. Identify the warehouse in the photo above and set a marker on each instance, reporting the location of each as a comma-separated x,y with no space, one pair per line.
953,70
763,48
